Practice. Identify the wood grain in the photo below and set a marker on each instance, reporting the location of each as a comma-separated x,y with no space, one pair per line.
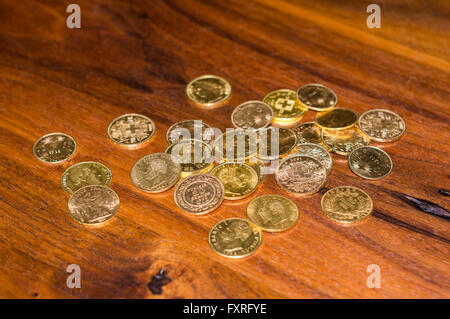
137,56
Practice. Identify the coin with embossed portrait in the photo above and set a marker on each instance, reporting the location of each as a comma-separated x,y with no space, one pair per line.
239,179
194,156
382,125
54,148
84,174
316,97
370,162
190,129
252,115
208,90
318,152
131,129
276,142
308,132
236,145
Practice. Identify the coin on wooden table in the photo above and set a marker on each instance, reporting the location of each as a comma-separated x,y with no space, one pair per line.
239,179
234,238
382,125
318,152
131,129
346,204
370,162
336,119
284,105
252,115
302,175
236,145
93,205
256,164
54,148
316,97
345,141
273,213
199,194
276,143
208,90
308,132
155,173
84,174
190,129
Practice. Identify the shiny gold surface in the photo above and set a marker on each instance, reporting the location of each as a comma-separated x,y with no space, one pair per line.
346,204
336,119
318,152
208,90
370,162
316,97
308,132
252,115
84,174
54,148
184,153
345,141
286,143
273,213
239,179
131,129
228,143
284,105
382,125
256,164
187,129
234,238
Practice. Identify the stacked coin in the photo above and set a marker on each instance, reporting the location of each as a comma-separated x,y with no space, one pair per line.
286,108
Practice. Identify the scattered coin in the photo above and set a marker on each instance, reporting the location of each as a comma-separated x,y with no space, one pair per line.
345,141
84,174
284,105
273,213
131,129
318,152
236,145
252,115
155,173
256,164
308,132
93,205
208,90
281,146
302,175
239,179
234,238
54,148
336,119
382,125
346,204
194,156
190,129
316,97
370,162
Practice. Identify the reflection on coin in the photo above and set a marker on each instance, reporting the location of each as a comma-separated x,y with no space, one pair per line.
345,141
336,119
277,148
235,145
284,105
54,148
302,175
318,152
273,213
252,115
93,205
199,194
84,174
131,129
316,97
346,204
194,156
234,238
208,90
190,129
256,164
308,132
382,125
155,173
370,162
239,179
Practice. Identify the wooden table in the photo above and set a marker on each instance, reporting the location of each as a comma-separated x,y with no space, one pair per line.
138,56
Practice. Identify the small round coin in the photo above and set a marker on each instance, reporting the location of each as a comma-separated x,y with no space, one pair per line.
239,179
155,173
336,119
318,152
276,143
316,97
382,125
273,213
302,175
234,238
54,148
84,174
93,205
131,129
346,204
252,115
190,129
308,132
370,162
345,141
208,90
194,156
284,105
236,145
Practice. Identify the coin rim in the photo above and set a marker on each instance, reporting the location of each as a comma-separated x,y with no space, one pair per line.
380,139
50,134
192,139
69,190
272,158
316,108
135,144
339,128
248,102
320,146
333,150
208,76
284,119
371,178
184,121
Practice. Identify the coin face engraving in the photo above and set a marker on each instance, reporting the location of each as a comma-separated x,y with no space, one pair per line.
308,133
193,155
93,205
343,142
155,173
286,143
284,105
84,174
208,90
190,129
336,119
239,179
318,152
131,129
252,115
235,145
382,125
234,238
54,148
272,213
370,162
346,204
316,97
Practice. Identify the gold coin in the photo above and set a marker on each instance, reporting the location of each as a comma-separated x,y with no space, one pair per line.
239,179
84,174
336,119
345,141
316,97
208,90
273,213
234,238
346,204
288,123
308,132
252,115
131,129
236,145
318,152
194,156
284,105
155,173
382,125
302,175
54,148
370,162
199,194
281,146
254,163
190,129
93,205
